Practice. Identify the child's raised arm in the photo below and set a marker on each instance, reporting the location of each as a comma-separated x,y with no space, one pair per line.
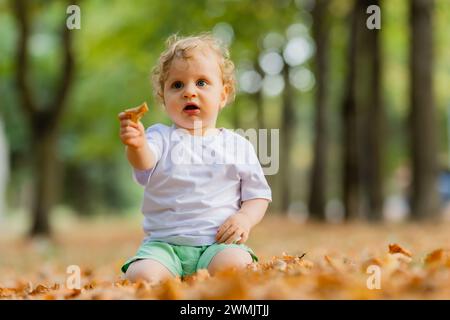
132,134
141,159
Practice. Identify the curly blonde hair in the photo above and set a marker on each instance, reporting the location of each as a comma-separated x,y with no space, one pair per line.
178,47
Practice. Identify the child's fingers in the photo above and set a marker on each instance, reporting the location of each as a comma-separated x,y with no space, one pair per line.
220,237
123,116
140,126
125,120
232,237
226,234
243,239
222,229
130,135
128,123
128,129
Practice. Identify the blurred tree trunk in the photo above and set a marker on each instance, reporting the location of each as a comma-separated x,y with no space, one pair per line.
363,120
43,120
351,183
424,201
288,122
79,191
317,194
369,104
44,160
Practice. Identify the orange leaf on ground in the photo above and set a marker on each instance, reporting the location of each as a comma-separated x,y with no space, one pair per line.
395,248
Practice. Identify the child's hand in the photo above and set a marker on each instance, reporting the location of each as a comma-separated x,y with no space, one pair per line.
132,134
235,229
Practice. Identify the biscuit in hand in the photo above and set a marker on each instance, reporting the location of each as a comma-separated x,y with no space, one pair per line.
136,113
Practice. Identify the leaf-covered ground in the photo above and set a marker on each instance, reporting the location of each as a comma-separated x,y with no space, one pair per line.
297,261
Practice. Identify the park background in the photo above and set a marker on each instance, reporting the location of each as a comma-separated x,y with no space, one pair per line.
363,118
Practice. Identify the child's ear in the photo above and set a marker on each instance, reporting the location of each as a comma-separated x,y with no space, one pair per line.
161,99
224,96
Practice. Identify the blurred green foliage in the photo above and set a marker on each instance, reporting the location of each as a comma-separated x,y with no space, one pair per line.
118,44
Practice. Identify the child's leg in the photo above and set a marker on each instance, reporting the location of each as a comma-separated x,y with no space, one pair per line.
228,258
148,270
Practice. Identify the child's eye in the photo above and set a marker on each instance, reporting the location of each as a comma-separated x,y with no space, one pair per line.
177,85
201,83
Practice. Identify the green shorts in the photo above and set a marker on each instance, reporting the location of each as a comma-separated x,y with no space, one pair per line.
182,260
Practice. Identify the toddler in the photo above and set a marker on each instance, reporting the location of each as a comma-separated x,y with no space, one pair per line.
204,187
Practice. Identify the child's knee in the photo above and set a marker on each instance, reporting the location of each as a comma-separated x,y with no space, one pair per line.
230,258
136,275
150,271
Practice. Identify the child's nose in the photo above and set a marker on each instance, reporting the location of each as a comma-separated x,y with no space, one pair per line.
189,91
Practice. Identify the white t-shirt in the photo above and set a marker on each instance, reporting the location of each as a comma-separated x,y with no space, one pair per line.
197,183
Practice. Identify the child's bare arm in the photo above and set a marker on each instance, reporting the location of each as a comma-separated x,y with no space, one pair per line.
255,209
141,158
238,226
132,134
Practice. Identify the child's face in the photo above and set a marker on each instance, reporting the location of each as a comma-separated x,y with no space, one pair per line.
194,91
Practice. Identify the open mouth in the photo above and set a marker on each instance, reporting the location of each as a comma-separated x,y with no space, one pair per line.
191,109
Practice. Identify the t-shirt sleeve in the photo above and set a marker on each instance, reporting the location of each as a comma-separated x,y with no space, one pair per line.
253,182
155,141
